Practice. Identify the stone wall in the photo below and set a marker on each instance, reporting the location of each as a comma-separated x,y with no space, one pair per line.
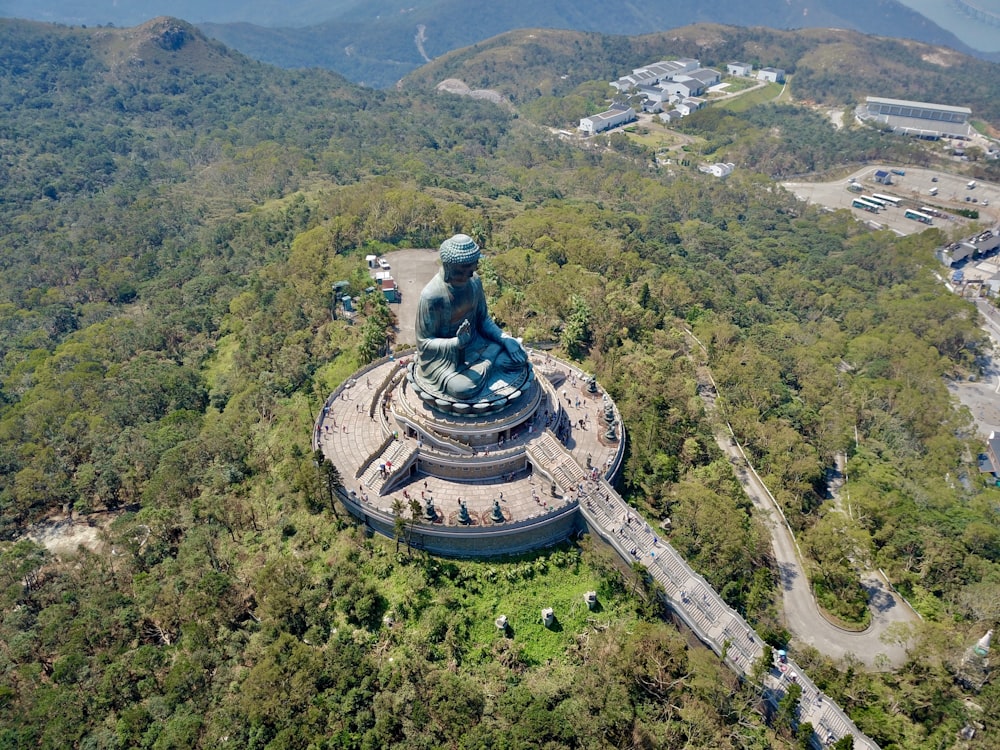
475,541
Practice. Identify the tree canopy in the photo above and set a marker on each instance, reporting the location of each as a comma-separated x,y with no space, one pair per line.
173,221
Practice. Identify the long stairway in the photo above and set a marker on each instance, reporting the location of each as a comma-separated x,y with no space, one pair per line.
547,451
701,608
398,453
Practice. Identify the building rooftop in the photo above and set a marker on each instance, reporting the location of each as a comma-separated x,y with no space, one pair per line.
921,105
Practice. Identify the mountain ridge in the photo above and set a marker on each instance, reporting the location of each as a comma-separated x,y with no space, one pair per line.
376,43
837,67
355,47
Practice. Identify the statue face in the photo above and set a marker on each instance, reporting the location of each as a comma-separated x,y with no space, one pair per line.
459,274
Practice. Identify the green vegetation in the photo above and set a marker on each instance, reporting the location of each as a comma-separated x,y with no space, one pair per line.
355,41
747,100
738,84
171,234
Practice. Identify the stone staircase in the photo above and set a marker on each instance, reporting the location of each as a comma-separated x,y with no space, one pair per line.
547,451
398,453
701,607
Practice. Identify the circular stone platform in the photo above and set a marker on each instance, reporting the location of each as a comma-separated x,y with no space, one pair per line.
395,450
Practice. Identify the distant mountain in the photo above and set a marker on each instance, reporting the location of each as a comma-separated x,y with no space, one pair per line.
377,42
378,51
829,66
135,12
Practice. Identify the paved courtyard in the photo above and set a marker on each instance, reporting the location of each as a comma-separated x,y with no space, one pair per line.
350,435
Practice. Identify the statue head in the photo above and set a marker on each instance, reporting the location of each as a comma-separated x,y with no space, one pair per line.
460,258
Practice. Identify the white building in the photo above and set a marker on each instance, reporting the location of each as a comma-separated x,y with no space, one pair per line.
707,76
921,119
682,87
687,106
650,75
721,169
654,93
606,120
739,69
774,75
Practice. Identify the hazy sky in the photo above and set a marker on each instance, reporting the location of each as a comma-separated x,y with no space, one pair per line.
975,33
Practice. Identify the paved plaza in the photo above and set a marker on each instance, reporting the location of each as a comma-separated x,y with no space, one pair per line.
352,428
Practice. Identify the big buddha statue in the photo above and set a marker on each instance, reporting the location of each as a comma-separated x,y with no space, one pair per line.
464,362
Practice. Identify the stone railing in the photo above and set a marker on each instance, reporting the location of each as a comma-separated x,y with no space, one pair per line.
703,611
372,456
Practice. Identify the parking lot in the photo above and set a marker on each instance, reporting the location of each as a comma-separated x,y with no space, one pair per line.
411,269
914,188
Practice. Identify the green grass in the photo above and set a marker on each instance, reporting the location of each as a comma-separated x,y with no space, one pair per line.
742,103
659,137
737,84
223,360
476,593
980,126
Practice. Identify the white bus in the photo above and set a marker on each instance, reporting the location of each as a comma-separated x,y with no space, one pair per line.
891,200
877,201
919,216
866,205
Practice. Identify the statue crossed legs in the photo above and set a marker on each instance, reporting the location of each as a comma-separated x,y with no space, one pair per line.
462,355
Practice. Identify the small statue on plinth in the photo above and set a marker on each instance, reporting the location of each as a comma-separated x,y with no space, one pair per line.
463,513
609,413
497,515
591,384
611,435
430,512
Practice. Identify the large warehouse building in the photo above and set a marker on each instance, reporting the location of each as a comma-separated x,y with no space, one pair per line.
918,118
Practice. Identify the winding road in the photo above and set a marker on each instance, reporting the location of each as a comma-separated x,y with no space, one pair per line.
881,645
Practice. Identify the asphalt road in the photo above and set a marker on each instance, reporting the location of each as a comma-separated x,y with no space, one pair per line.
411,269
802,616
982,396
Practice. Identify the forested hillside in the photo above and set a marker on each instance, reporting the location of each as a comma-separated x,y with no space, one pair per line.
379,44
826,66
173,216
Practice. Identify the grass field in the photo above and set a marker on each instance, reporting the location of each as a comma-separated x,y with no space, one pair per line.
476,593
741,103
659,137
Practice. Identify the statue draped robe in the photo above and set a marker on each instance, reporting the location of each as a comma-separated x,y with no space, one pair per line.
445,367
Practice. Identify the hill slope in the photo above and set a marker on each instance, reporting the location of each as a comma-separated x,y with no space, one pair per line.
830,66
378,42
379,50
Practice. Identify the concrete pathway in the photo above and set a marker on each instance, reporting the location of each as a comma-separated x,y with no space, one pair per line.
701,608
875,646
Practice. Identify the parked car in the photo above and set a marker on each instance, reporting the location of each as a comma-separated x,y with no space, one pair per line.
383,264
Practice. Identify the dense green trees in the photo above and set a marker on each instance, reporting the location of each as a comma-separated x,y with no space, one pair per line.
167,338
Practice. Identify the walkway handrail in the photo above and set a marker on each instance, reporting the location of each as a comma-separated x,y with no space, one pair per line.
363,467
601,507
